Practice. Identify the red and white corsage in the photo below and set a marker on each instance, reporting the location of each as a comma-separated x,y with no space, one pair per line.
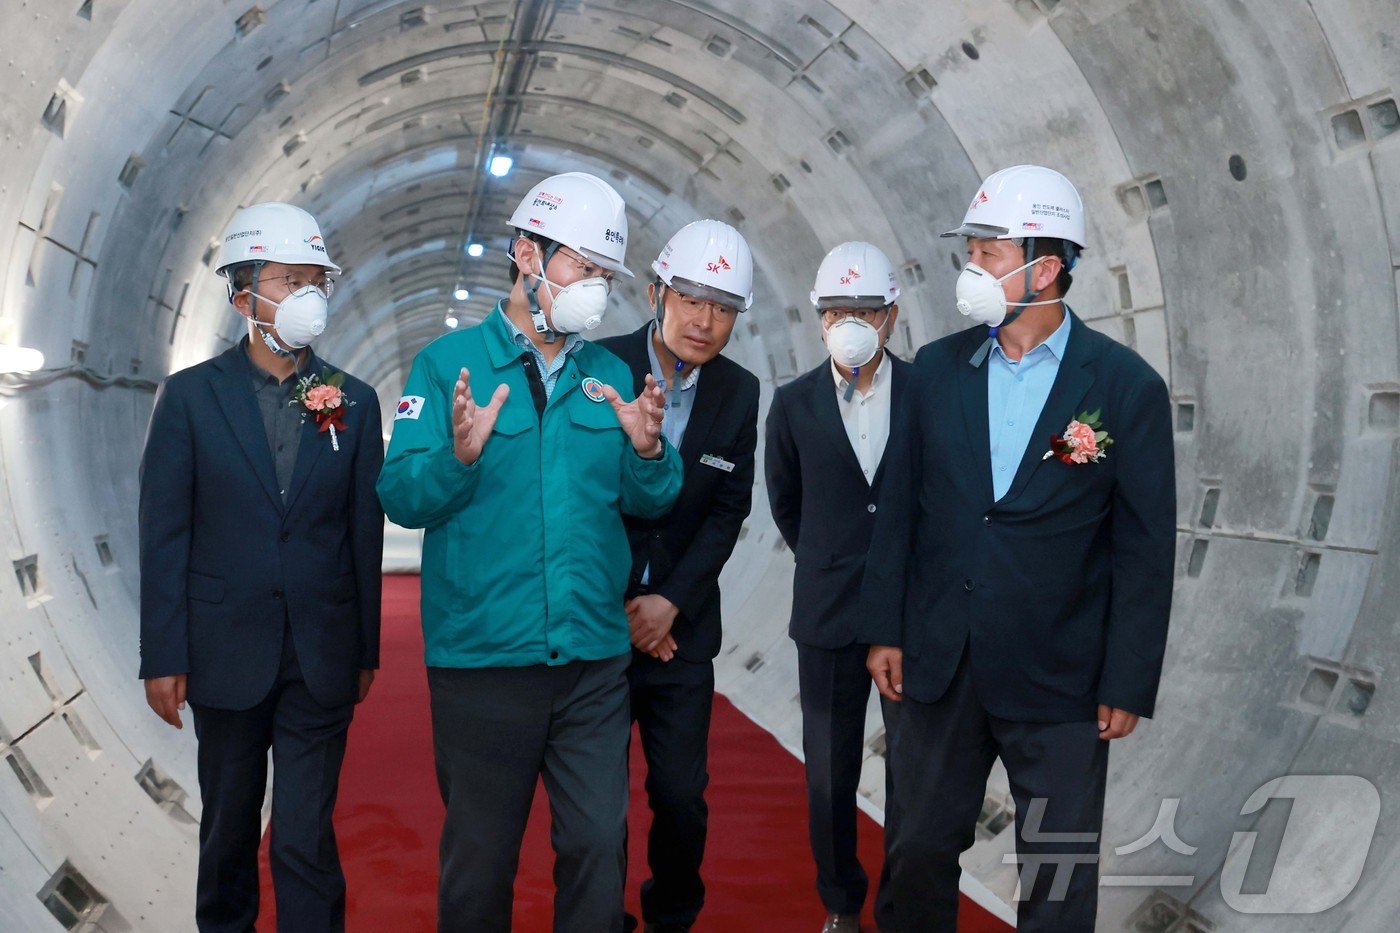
1084,440
325,401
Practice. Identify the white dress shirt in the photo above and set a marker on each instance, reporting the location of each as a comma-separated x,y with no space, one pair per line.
867,416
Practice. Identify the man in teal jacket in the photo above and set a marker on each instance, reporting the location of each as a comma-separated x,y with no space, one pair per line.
525,562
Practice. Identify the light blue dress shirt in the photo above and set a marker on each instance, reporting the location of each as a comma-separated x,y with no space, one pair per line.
549,372
679,402
1016,393
679,399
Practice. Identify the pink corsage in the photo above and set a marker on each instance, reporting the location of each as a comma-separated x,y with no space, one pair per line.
1084,440
325,401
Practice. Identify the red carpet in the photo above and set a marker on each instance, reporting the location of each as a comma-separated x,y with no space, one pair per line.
758,870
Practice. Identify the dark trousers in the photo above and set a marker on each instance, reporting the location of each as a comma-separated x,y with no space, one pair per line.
496,732
835,686
308,745
671,703
942,754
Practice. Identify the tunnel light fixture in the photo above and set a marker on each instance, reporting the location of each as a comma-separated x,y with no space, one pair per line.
461,293
475,249
20,359
500,165
451,321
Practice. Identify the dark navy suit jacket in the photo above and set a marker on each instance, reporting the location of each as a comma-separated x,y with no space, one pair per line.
821,501
1062,588
688,547
226,566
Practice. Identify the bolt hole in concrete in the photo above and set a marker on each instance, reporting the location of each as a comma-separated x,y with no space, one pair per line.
1237,168
971,51
1385,117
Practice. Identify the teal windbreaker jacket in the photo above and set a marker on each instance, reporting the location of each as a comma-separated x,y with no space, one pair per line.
525,559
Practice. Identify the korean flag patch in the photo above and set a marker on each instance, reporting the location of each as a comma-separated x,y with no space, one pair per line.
410,406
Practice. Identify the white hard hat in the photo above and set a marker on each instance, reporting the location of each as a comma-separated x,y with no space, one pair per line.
855,274
710,260
580,211
1025,201
273,232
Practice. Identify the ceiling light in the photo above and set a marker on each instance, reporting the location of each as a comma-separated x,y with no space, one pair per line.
475,249
500,165
461,294
20,359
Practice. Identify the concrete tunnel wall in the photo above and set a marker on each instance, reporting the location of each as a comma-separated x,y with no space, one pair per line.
1240,163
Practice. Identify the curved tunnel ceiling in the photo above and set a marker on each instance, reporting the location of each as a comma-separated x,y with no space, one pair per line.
1238,159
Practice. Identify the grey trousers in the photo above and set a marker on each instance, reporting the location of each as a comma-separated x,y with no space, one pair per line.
496,732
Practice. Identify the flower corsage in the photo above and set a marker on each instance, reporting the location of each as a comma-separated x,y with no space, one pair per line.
324,401
1084,440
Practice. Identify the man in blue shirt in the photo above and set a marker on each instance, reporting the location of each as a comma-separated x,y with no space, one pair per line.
1019,608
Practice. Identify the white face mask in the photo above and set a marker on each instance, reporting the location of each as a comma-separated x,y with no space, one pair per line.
579,306
300,318
852,342
982,298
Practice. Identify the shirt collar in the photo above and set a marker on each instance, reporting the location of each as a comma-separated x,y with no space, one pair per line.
521,340
664,377
261,375
882,373
1055,343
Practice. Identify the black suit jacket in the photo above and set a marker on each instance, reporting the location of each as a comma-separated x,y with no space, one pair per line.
225,565
1062,588
688,548
821,501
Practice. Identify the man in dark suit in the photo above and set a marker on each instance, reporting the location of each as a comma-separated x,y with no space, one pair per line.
1020,606
825,465
704,281
261,539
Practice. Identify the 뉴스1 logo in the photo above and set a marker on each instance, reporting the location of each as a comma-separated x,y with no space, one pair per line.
720,265
850,276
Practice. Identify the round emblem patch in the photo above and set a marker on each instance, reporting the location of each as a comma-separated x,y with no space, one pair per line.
593,389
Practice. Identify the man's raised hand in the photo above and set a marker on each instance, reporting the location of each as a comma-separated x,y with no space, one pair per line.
642,417
472,424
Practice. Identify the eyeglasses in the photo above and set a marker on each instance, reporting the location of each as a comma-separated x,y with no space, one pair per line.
296,281
589,270
868,315
693,306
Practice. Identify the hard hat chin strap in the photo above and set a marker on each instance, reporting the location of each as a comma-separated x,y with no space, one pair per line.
1028,300
268,340
532,287
673,398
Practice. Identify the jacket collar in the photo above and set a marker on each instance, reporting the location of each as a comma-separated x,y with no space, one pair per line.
1072,383
233,390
